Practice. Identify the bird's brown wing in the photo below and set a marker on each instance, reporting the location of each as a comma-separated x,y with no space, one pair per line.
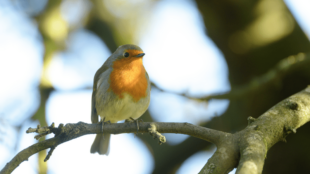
94,114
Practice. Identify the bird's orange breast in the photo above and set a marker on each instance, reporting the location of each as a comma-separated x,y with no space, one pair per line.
128,76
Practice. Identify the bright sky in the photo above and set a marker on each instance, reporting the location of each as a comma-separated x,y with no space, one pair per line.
176,51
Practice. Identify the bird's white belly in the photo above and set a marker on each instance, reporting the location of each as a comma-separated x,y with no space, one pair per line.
122,109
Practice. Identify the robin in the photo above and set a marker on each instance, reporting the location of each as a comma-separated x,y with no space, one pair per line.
121,91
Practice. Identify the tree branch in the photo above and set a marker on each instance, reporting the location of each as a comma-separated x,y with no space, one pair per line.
272,77
253,142
71,131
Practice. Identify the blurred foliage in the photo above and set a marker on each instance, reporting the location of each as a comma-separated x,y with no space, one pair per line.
253,36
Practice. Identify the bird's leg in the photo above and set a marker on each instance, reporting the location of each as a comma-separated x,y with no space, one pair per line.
130,120
102,123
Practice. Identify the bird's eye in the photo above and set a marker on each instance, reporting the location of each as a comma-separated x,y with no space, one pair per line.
126,54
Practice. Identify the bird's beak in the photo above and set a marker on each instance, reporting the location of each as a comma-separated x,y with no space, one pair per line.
140,55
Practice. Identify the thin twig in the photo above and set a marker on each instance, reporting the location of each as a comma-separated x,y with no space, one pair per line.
272,77
49,153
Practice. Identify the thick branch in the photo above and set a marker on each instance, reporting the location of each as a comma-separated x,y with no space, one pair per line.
224,159
71,131
253,152
272,127
253,142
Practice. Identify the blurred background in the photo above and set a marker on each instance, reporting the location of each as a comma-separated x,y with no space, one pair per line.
51,49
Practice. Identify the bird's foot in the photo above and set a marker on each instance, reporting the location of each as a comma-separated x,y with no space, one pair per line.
103,123
131,120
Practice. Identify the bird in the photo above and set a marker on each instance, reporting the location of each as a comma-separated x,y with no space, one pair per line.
121,91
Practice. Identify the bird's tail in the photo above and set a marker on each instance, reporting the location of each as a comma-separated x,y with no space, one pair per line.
101,144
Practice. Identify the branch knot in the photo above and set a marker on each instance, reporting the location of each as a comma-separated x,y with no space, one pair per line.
156,134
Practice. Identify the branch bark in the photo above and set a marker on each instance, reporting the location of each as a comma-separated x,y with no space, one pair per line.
253,142
72,131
